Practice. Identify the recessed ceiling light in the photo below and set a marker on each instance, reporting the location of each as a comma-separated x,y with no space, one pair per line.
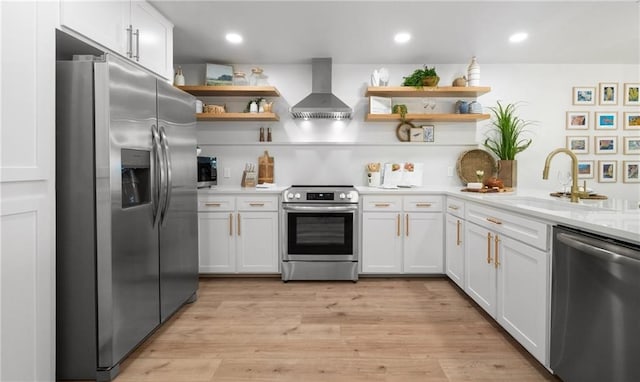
401,38
234,38
518,37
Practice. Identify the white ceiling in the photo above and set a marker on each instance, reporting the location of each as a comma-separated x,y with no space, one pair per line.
352,31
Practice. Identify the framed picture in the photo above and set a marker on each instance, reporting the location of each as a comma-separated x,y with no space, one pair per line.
577,120
606,120
416,134
608,93
630,170
584,95
631,94
631,146
607,171
429,133
585,169
606,145
632,121
579,145
219,75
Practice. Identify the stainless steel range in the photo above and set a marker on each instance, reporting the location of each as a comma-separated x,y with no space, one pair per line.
319,235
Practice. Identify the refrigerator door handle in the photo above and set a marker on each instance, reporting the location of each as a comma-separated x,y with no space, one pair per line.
168,180
158,173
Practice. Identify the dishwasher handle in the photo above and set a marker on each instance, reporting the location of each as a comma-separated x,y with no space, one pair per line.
601,249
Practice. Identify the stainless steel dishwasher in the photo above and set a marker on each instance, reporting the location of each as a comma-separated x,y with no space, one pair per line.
595,308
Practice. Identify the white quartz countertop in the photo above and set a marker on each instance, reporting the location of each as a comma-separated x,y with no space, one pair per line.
241,190
615,218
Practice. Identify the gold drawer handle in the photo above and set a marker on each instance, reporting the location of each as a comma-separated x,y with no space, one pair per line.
494,220
230,224
489,247
256,204
455,208
238,223
382,204
398,226
458,232
212,204
407,223
497,262
423,205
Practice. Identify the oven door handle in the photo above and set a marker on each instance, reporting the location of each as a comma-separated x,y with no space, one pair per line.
324,208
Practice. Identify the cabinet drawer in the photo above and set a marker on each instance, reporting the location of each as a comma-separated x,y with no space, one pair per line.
422,203
455,207
519,227
211,203
382,203
257,203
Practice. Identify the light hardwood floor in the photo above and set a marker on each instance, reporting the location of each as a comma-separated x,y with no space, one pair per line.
261,329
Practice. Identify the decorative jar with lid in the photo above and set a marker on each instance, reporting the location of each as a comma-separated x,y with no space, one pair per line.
240,79
258,78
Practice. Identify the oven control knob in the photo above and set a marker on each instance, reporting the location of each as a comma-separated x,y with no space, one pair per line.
297,196
342,195
349,195
290,195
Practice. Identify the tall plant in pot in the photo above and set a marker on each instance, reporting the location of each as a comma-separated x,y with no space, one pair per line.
506,141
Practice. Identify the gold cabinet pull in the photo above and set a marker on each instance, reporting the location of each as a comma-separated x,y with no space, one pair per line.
494,220
407,223
212,204
497,262
458,222
489,236
238,223
452,207
382,204
256,204
423,204
230,224
398,226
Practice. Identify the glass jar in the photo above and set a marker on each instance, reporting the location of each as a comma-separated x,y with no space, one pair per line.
240,79
258,78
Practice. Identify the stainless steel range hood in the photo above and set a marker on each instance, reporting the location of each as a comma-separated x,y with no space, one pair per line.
321,103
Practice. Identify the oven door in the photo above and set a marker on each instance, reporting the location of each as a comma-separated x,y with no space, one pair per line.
320,232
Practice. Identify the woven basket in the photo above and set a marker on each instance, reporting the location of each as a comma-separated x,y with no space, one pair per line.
472,160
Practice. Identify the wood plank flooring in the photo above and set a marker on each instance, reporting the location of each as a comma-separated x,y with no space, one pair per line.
261,329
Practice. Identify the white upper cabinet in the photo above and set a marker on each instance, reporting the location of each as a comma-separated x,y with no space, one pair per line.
133,29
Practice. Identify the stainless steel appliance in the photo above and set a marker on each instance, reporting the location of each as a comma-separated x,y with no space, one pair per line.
319,235
207,171
595,308
126,220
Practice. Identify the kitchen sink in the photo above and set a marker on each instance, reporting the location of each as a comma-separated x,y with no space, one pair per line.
548,204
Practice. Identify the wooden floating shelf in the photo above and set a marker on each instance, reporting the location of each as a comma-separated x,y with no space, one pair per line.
410,91
231,91
247,117
428,117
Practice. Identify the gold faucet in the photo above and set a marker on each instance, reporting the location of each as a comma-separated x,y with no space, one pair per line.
575,192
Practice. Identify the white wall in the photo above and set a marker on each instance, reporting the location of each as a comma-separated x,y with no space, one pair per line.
337,151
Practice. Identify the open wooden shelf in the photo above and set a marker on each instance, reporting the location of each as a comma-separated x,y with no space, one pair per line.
231,91
427,117
410,91
247,117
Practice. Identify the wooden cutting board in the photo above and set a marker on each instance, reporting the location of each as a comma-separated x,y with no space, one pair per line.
487,190
265,168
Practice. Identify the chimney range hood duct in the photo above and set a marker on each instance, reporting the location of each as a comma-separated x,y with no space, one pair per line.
321,103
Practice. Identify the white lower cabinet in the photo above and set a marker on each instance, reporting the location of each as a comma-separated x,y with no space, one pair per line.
402,234
238,234
454,249
509,278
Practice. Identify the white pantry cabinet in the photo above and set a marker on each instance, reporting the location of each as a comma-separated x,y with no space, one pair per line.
238,234
507,275
402,234
133,29
455,240
27,190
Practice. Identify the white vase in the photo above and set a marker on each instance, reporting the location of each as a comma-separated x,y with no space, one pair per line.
179,78
473,72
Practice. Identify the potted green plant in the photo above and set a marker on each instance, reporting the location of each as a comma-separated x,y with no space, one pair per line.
505,140
422,77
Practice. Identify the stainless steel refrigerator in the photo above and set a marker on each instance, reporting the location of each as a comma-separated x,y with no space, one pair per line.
126,220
